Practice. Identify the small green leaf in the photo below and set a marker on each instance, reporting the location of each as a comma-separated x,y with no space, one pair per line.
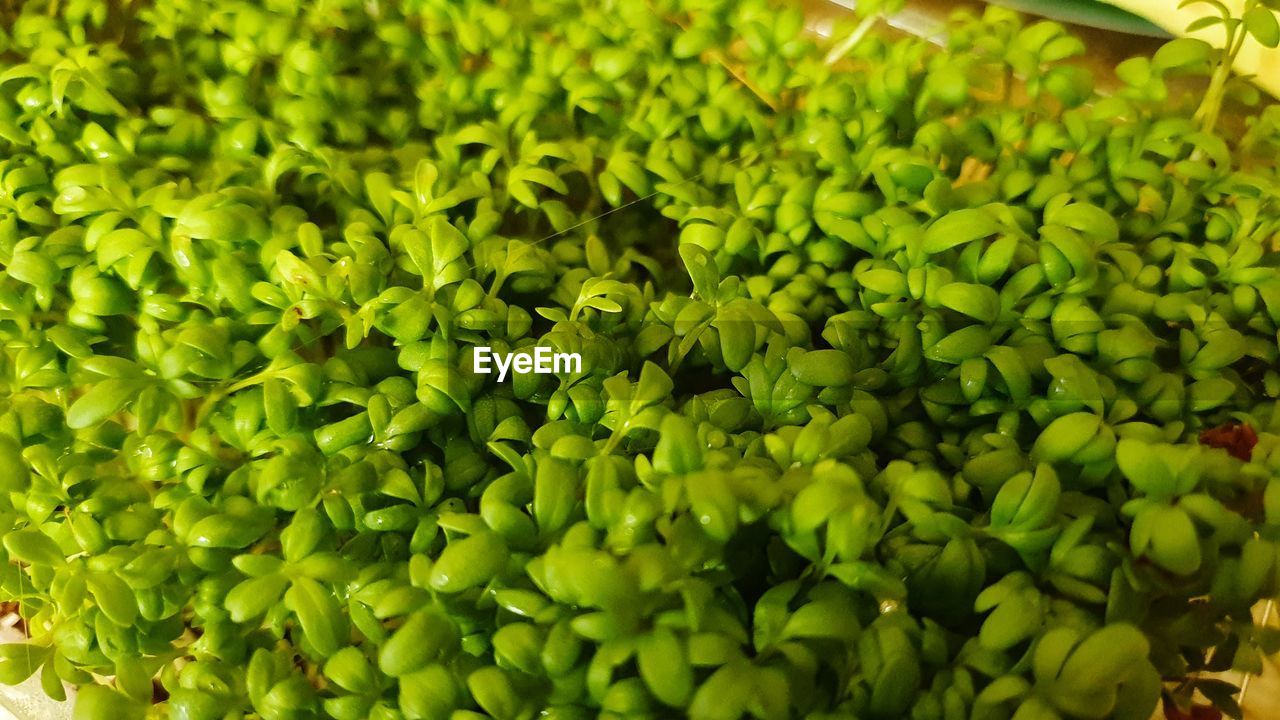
425,637
701,267
664,666
253,597
19,661
1182,53
113,597
468,562
102,401
824,368
318,613
977,301
957,228
1263,26
98,702
34,547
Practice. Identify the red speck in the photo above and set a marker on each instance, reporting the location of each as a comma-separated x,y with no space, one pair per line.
1237,439
1198,712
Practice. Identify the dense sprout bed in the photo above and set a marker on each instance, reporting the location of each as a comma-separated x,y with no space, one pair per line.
917,383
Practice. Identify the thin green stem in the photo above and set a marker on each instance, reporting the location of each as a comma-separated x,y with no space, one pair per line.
846,46
1211,108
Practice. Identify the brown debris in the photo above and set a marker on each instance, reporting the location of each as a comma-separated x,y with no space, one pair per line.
1237,439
